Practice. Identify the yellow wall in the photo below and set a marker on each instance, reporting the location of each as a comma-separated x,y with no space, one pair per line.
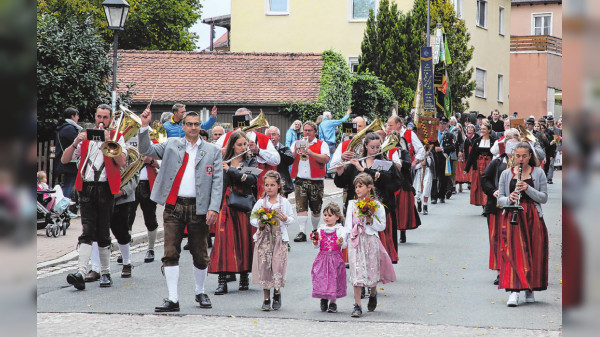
318,25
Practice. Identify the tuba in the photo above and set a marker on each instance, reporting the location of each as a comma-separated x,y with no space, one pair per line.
356,142
389,143
134,164
127,125
158,132
259,122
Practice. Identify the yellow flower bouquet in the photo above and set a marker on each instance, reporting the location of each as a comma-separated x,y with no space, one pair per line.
266,216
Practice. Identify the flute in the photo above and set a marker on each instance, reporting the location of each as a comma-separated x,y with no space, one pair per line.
239,155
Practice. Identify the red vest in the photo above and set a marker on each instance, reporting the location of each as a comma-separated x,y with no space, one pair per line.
113,173
261,139
345,145
151,170
391,153
408,137
317,170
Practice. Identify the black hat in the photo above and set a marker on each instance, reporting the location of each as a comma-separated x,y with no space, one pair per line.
505,116
480,116
550,118
444,120
542,120
530,121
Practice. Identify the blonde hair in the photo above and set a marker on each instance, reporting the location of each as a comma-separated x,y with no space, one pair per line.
41,175
334,209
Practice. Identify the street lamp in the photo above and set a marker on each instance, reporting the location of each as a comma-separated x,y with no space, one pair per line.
116,12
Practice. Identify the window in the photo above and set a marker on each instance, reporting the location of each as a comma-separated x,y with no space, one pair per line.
541,24
480,79
500,88
501,21
482,13
353,63
458,8
277,7
358,10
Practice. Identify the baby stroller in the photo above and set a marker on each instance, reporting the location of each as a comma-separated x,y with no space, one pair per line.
52,212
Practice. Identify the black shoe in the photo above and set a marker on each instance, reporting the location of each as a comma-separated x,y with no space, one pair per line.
362,292
230,277
402,236
419,206
222,286
120,259
357,312
453,191
149,256
442,201
105,281
204,301
266,305
324,304
332,307
372,303
347,265
186,246
126,272
76,279
167,306
92,276
301,237
550,181
244,282
497,280
276,301
209,242
433,201
425,212
448,194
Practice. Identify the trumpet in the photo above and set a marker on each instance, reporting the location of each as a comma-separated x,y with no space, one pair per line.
390,142
239,155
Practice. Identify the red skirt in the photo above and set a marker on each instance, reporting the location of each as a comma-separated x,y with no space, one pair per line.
387,239
572,254
406,213
461,176
524,251
478,198
494,221
232,249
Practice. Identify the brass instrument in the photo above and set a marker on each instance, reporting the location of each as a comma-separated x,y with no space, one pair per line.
158,132
389,143
127,125
356,142
525,135
259,122
301,149
239,155
134,165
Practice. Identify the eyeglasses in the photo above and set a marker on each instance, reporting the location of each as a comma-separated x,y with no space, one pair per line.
188,124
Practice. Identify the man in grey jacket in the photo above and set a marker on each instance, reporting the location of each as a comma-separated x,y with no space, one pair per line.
190,185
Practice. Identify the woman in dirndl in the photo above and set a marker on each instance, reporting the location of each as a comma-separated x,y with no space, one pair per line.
479,158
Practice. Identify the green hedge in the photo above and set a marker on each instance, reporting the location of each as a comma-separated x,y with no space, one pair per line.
370,97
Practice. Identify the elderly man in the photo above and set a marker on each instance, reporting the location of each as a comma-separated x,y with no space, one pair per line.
98,182
261,147
341,152
415,147
217,132
174,126
287,158
190,185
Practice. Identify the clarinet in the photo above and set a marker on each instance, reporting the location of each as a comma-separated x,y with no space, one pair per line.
517,208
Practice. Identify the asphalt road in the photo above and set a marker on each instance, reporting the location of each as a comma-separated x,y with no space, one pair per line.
443,279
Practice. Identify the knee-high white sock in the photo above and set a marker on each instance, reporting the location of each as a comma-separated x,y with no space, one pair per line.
302,223
151,239
85,251
95,257
172,276
125,253
200,276
104,253
315,221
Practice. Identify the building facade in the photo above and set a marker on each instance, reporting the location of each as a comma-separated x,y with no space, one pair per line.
536,57
318,25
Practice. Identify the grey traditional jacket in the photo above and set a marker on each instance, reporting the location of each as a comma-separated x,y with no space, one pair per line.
538,192
128,191
209,170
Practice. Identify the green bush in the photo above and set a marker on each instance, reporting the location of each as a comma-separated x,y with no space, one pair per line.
370,97
336,84
303,111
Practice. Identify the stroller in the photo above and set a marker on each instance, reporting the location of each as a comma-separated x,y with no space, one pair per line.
52,212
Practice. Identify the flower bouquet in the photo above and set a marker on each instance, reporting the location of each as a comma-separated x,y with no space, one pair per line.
557,140
266,216
366,208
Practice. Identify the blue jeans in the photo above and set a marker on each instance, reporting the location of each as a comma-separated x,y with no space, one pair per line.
68,183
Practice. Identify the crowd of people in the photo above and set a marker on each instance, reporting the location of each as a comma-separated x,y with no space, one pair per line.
227,190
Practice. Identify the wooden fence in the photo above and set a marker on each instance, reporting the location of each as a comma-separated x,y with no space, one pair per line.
533,43
45,160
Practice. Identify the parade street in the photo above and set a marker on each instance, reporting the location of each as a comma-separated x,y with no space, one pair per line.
444,288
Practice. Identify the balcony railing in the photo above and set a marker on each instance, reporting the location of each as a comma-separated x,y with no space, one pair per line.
536,43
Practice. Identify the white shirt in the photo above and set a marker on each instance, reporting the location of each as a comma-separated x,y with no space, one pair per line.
304,165
484,143
396,158
416,143
270,156
286,208
187,188
337,156
95,156
340,232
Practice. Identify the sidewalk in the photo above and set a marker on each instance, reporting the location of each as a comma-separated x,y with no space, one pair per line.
51,250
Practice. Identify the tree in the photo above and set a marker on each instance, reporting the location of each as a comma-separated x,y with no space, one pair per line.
336,84
73,70
151,24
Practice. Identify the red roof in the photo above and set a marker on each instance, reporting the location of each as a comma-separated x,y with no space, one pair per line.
221,77
223,41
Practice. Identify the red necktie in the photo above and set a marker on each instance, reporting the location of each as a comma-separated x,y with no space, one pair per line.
175,188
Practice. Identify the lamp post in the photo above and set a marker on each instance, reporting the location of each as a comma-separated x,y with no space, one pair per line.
116,12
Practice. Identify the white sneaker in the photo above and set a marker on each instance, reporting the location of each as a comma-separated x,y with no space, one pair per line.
513,299
529,298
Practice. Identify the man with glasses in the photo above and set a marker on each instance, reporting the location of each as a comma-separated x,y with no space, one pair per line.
174,126
309,171
190,185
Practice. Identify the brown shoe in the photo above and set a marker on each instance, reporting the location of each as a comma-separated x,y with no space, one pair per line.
92,276
126,272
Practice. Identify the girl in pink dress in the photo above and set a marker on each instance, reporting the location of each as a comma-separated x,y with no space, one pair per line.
329,271
368,260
